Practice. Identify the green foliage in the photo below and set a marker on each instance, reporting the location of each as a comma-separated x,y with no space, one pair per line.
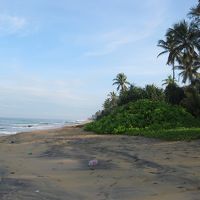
143,116
133,94
154,93
121,82
107,104
169,80
170,134
174,94
136,93
173,114
192,100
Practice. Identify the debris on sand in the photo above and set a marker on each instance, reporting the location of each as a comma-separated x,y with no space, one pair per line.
92,164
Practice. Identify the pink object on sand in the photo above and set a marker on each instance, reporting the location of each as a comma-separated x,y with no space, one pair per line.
92,163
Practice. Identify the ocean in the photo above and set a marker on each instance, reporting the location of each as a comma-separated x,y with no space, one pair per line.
15,125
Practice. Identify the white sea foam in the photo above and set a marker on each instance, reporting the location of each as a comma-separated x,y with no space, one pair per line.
14,125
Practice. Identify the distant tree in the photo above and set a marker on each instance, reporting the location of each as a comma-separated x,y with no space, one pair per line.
110,102
97,115
168,80
121,82
113,98
107,104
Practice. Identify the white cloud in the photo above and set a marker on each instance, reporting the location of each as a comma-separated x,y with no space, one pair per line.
10,24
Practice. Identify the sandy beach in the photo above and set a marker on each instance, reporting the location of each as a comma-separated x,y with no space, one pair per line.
53,165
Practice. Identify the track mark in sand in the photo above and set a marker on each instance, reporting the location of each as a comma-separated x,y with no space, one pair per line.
141,162
180,187
111,185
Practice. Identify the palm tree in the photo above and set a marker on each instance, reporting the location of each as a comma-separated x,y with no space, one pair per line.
113,98
186,43
195,13
169,48
185,38
107,104
189,69
169,80
121,82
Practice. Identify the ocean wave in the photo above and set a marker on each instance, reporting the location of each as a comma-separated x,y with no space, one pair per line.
12,126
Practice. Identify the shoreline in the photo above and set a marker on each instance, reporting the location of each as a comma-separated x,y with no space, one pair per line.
78,124
53,164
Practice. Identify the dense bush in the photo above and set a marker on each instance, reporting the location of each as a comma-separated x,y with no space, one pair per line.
174,94
154,93
135,93
192,101
143,115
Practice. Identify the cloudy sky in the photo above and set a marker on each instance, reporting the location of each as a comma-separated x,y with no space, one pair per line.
58,58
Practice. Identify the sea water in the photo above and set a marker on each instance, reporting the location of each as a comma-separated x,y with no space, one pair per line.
15,125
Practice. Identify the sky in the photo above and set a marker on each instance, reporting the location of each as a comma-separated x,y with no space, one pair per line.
58,58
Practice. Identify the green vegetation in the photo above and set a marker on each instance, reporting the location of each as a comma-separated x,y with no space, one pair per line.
172,113
146,117
121,82
171,134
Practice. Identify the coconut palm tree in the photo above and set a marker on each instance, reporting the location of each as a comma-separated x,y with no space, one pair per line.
121,82
186,43
195,13
189,69
185,38
113,98
112,95
168,46
169,80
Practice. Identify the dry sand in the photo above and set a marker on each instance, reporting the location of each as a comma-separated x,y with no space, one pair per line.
52,165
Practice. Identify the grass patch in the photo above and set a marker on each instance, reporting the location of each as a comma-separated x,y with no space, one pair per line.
175,134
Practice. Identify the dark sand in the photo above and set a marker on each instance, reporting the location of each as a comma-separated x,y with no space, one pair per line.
52,165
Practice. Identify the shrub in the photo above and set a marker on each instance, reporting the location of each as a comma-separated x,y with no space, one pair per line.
192,101
154,93
174,94
136,93
143,115
133,94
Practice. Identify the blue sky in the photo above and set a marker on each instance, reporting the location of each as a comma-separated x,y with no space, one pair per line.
58,58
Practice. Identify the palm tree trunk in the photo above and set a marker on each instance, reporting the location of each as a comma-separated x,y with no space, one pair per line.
173,69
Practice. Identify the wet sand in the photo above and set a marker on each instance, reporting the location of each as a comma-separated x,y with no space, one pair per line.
53,165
